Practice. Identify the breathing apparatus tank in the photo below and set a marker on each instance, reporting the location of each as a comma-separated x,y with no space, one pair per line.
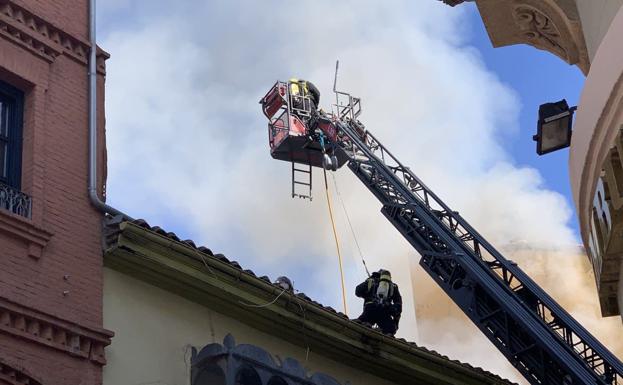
384,288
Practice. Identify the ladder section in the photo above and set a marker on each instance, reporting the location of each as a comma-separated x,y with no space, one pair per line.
301,181
535,334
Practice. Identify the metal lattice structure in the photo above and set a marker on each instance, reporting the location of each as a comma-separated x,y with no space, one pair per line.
15,201
229,360
534,332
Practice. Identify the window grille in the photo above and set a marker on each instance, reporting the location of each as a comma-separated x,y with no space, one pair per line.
245,364
11,117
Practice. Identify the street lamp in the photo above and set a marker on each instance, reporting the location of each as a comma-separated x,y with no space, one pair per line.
553,127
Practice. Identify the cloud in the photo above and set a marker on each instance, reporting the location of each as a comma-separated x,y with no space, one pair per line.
188,143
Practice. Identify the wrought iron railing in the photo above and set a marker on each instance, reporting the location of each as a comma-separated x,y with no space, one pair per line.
15,201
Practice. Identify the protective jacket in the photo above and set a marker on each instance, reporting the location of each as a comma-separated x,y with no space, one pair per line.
368,290
382,302
299,87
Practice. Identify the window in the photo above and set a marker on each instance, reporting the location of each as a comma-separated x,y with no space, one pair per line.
11,110
277,381
247,376
210,375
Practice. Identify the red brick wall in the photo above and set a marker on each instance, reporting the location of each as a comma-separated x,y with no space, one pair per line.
65,280
71,16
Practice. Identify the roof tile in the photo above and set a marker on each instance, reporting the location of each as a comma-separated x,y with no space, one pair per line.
221,257
204,249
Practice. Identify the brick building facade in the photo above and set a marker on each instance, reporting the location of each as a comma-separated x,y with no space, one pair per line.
50,235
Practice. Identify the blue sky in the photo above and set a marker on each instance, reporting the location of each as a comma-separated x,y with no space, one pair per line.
538,77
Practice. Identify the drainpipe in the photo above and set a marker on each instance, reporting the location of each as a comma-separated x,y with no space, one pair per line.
95,200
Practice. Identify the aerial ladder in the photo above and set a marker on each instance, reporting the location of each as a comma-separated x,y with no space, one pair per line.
537,336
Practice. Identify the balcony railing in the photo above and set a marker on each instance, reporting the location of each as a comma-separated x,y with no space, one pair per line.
15,201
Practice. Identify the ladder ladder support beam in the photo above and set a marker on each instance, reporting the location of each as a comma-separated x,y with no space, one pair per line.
477,277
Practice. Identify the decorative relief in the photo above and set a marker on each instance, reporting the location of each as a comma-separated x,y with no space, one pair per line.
46,330
12,375
550,25
42,38
539,30
45,51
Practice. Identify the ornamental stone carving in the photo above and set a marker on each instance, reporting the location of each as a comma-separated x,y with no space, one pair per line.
550,25
33,325
537,28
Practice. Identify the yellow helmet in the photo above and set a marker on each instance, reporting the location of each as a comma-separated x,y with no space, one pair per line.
295,89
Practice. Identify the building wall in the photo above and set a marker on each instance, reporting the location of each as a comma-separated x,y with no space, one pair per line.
51,280
620,294
155,330
596,16
595,165
71,15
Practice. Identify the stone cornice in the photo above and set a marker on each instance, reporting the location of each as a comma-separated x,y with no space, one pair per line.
550,25
15,375
23,229
41,37
33,325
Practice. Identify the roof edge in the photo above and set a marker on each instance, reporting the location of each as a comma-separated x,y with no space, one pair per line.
161,259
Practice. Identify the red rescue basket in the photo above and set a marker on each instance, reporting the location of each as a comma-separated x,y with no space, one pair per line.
289,136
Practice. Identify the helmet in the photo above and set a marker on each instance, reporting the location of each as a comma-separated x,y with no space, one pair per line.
284,283
385,275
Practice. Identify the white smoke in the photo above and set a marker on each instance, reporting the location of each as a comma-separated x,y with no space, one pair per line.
188,143
564,273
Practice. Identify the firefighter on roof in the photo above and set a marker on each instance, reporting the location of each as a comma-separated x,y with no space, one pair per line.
382,302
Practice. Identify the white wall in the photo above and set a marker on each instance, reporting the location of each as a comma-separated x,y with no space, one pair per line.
154,329
596,16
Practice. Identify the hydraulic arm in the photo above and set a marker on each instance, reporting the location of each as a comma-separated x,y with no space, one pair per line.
535,333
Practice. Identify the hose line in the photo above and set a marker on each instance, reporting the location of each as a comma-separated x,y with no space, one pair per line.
337,242
352,230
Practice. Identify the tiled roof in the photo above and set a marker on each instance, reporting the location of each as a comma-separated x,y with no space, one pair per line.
208,253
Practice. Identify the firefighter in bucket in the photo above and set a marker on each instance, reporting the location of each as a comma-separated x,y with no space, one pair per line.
382,302
305,99
299,89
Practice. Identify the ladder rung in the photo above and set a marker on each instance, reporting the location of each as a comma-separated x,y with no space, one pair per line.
305,171
303,183
301,196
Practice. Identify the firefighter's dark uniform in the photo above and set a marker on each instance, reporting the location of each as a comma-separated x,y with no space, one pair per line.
383,312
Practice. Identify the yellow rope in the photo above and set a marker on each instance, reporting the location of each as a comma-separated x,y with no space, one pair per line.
337,243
